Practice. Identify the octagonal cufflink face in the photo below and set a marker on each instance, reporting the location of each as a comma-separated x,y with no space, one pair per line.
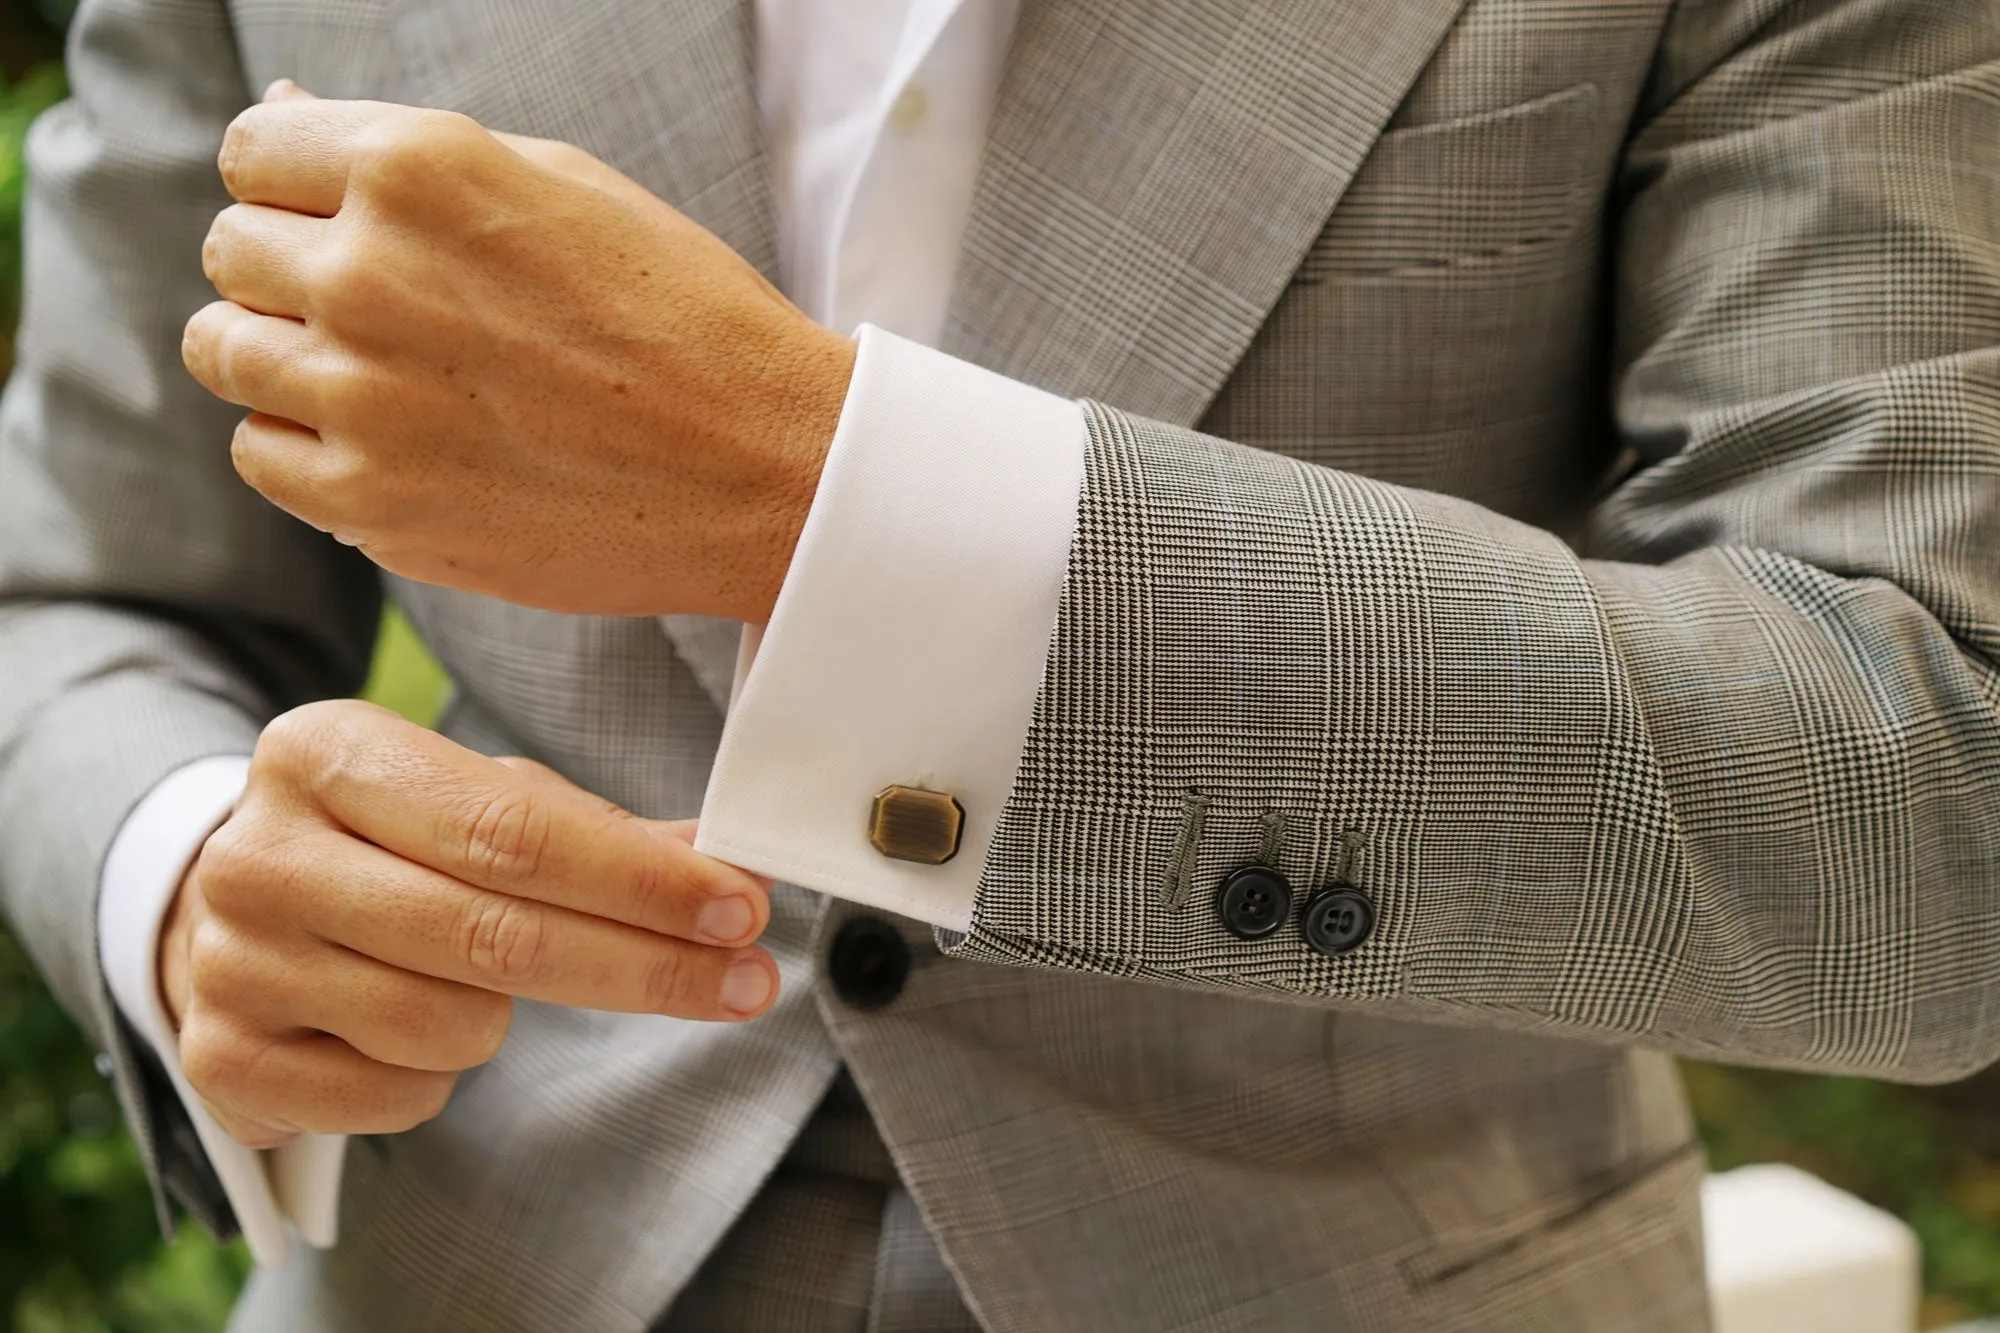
911,824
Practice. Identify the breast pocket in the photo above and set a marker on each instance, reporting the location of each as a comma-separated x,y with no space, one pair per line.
1500,190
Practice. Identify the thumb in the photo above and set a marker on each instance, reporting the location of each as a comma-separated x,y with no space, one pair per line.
284,90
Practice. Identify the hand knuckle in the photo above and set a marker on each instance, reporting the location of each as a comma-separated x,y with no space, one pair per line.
236,351
312,734
229,865
333,492
565,158
383,159
666,983
215,245
354,285
194,348
328,278
253,464
427,1098
202,348
397,157
347,481
506,837
505,939
250,874
286,745
439,128
237,143
487,1029
218,1061
216,962
409,1099
465,1033
649,894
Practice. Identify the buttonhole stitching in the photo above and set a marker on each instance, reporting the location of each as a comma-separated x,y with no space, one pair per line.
1178,885
1271,842
1351,843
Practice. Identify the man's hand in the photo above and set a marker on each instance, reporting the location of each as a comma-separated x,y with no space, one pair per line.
350,939
497,364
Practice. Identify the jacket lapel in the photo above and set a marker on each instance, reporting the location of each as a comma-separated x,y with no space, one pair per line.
1155,173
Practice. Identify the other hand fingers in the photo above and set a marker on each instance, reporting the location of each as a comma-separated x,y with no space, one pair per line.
293,986
266,1088
262,258
357,895
296,153
306,153
260,361
295,469
480,822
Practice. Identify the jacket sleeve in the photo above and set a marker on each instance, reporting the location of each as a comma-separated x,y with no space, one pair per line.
1723,776
153,609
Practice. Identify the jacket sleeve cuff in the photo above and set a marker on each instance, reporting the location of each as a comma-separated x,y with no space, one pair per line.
145,864
909,640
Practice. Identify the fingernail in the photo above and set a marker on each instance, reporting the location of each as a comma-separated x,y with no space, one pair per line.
745,987
725,920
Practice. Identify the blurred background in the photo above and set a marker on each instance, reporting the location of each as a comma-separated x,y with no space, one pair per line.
79,1251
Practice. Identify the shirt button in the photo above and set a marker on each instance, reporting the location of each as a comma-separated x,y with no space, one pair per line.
1254,902
909,109
868,963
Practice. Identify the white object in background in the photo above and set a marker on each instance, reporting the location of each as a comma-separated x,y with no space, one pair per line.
1789,1253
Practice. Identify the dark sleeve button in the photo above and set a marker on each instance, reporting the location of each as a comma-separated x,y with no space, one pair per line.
1254,901
1338,921
869,962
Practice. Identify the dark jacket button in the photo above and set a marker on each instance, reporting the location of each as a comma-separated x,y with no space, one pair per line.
869,962
1254,902
1338,921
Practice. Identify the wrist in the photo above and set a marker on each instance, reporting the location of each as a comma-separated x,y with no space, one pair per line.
808,395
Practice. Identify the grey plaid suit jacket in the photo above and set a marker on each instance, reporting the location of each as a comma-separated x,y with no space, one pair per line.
1607,547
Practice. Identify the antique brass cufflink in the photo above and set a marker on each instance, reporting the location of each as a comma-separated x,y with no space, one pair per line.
910,824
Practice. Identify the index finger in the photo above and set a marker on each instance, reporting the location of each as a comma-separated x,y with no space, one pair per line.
441,805
296,152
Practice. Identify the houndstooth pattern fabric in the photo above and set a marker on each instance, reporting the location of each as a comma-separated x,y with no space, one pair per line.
1723,775
1604,548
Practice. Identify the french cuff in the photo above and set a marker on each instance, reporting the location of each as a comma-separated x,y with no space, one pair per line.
899,669
145,864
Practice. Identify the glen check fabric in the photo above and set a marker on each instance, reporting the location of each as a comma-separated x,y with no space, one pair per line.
1724,776
1705,288
832,1243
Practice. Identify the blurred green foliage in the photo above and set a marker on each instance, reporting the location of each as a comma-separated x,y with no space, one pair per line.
81,1249
79,1252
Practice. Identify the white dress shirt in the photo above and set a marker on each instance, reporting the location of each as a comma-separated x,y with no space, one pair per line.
911,633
